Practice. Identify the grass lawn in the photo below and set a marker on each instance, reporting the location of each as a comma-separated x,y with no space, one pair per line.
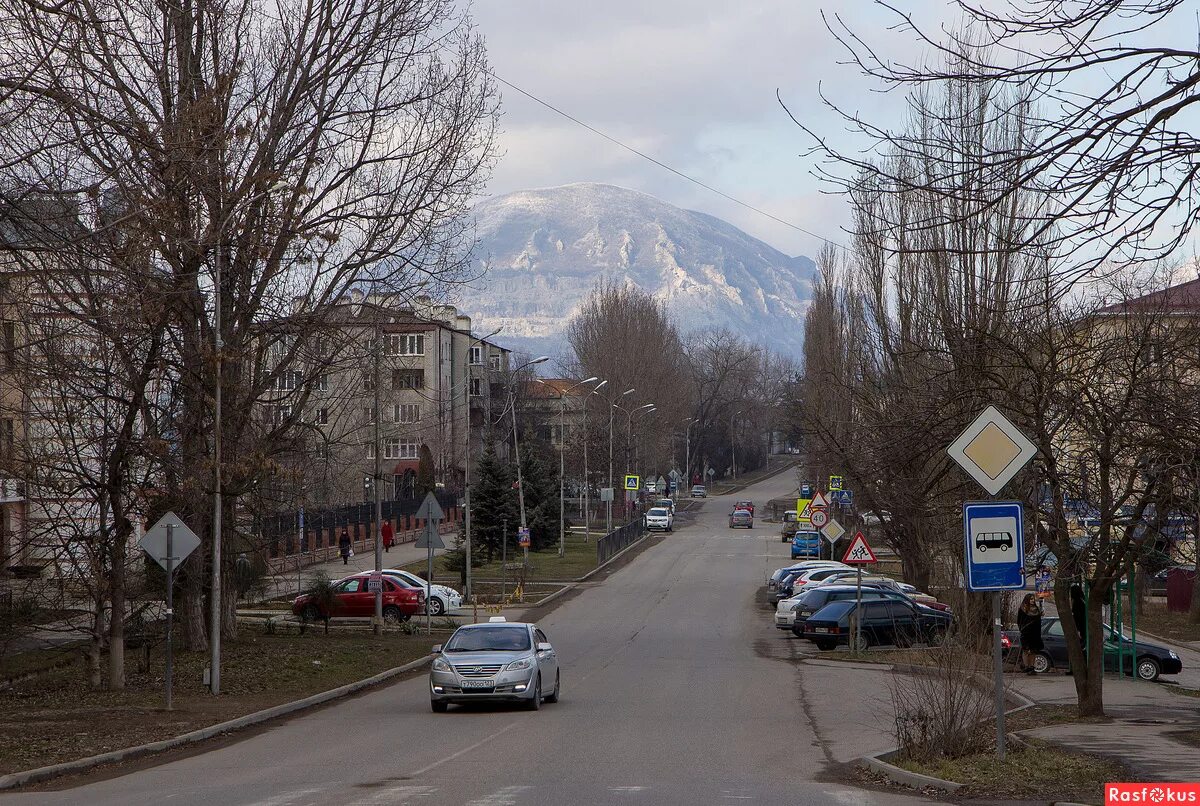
1156,619
1044,773
56,717
545,565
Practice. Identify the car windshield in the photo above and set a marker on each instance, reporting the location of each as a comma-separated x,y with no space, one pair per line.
835,610
489,639
658,512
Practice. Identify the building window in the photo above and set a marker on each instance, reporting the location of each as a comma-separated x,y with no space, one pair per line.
289,380
396,448
369,381
476,387
369,415
323,382
6,439
406,413
407,344
370,450
408,379
494,362
322,416
8,341
280,414
476,355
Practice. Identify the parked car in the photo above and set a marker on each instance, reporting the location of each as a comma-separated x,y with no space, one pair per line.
740,518
652,487
780,573
851,578
786,588
791,523
790,613
1152,659
353,598
699,491
495,661
660,518
667,503
806,543
747,505
441,598
890,621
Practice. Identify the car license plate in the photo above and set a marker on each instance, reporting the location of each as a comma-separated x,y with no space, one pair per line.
479,684
820,629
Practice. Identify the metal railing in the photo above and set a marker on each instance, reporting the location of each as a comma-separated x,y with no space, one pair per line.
618,539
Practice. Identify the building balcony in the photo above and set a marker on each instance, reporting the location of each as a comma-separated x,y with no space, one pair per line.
11,490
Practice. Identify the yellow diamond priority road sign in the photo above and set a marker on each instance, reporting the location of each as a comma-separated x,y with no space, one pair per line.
992,450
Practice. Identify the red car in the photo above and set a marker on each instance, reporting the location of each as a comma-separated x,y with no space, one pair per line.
746,505
352,598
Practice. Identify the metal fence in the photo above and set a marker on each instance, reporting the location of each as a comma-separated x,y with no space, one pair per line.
612,543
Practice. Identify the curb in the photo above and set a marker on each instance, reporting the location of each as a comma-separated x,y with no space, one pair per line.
611,559
915,780
16,779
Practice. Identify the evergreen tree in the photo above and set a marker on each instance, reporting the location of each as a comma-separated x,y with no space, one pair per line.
425,480
493,500
541,495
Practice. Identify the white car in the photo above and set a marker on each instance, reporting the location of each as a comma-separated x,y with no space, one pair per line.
773,582
441,598
660,518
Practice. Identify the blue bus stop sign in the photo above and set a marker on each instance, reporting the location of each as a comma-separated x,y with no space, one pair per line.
995,545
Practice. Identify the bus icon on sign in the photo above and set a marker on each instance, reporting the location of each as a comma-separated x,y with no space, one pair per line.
993,540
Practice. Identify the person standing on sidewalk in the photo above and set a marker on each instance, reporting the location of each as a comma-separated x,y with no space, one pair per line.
1029,622
388,536
344,546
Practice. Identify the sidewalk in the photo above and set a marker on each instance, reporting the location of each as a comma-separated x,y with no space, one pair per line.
1145,717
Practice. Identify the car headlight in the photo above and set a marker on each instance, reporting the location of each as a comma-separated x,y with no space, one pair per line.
1172,655
441,665
796,607
517,665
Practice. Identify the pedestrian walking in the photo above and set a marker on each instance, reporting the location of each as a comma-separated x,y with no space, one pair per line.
1029,622
388,536
344,546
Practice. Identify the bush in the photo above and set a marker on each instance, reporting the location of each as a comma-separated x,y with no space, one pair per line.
940,713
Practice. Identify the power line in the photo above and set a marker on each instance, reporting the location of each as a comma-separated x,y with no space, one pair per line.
659,162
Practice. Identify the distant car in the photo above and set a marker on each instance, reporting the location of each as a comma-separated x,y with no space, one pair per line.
894,622
794,568
806,543
1152,659
747,505
352,597
652,486
666,503
660,518
791,523
441,598
495,661
699,491
741,518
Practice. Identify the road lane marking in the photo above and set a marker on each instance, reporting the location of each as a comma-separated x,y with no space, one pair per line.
501,797
464,751
286,798
626,789
397,794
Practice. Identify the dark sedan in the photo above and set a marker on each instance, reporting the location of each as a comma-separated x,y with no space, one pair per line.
1152,659
897,623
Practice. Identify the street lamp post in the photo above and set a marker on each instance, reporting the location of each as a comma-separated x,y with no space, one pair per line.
612,490
218,348
467,470
512,400
687,459
628,433
733,443
587,512
562,444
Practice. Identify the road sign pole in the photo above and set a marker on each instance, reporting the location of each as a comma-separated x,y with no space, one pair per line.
998,674
858,611
170,608
430,526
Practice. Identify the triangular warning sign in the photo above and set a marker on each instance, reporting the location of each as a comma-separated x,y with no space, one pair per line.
820,501
859,551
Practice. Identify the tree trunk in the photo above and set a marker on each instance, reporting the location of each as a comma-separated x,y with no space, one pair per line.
1091,695
1194,615
96,645
229,600
193,624
116,623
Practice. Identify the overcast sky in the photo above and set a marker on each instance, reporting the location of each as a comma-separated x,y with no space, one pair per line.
693,83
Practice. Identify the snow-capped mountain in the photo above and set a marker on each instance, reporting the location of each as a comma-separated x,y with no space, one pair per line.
542,251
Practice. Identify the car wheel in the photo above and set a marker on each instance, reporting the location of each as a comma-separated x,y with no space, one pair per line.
535,702
310,613
937,636
825,644
438,707
553,696
860,643
1147,668
392,615
1042,662
436,606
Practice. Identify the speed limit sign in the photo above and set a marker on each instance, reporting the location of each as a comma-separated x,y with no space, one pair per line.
819,518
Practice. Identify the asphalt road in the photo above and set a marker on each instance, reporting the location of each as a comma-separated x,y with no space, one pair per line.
674,692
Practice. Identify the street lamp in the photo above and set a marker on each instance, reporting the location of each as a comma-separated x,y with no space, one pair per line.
611,490
733,443
218,348
512,386
587,512
687,458
562,444
628,431
467,467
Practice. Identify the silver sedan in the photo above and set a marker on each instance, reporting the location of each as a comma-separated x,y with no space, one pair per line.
495,661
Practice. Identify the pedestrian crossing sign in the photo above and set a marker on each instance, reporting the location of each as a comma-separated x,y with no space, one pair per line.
633,482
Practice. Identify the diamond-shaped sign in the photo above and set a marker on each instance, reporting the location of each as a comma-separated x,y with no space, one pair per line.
992,450
183,540
833,531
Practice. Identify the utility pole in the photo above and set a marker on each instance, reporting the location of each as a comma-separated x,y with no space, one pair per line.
733,444
587,512
377,622
612,490
562,446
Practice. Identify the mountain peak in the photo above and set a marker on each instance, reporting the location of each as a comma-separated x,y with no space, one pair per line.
543,250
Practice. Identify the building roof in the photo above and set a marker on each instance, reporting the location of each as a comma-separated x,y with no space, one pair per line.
1182,298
